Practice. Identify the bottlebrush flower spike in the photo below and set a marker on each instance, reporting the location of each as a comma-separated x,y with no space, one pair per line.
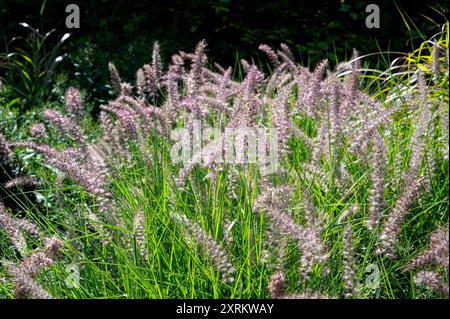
140,233
115,78
194,233
378,161
5,150
83,164
126,115
432,280
352,84
277,285
38,130
157,63
417,143
321,144
15,229
435,63
287,51
171,80
438,252
125,89
395,219
271,55
24,274
350,277
281,119
277,289
150,81
140,82
114,139
65,124
245,65
274,202
74,105
288,59
195,78
334,113
25,287
23,181
313,92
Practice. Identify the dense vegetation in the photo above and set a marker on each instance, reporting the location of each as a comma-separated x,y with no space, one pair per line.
341,190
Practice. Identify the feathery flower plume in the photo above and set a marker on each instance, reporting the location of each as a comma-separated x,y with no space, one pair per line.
24,274
5,150
85,165
351,93
194,233
350,277
15,228
140,82
245,65
334,112
444,127
432,280
277,285
352,86
38,130
281,120
438,252
435,63
126,115
25,287
65,124
22,181
360,137
220,68
157,62
313,90
277,289
243,115
125,89
271,55
171,80
376,196
287,63
150,81
114,139
395,219
115,78
419,136
73,104
140,233
321,144
274,202
287,51
195,79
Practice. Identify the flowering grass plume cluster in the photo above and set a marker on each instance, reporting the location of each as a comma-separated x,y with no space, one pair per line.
352,170
25,272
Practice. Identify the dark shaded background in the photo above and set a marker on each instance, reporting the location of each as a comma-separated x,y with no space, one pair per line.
123,31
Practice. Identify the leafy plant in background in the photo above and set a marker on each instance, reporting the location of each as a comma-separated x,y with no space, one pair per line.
88,65
29,65
361,183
